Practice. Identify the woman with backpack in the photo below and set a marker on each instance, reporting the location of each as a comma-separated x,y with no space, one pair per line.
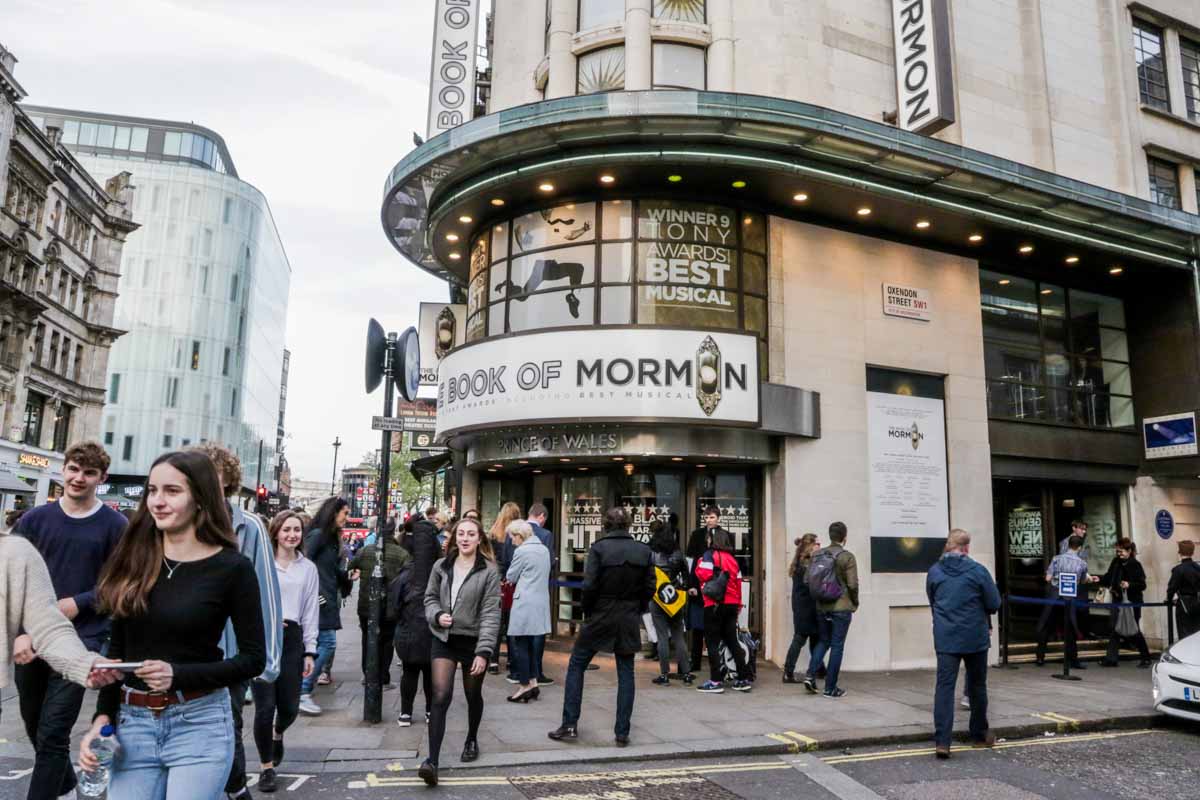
668,558
804,608
276,704
1126,583
721,587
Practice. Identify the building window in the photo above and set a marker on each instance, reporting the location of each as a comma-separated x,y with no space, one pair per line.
1190,53
62,428
114,388
594,13
1151,66
172,394
601,71
233,289
108,438
1164,182
678,66
35,406
78,373
225,362
680,10
195,355
1055,355
53,351
127,448
233,403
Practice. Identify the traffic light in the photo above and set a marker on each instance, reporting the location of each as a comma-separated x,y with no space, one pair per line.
261,495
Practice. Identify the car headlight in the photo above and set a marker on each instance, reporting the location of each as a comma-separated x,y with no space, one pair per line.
1170,659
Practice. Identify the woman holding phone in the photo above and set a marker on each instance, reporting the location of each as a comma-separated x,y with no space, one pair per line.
277,704
462,607
173,582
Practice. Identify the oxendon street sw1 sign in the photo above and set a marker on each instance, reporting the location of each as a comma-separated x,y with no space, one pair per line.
664,375
907,302
452,77
924,74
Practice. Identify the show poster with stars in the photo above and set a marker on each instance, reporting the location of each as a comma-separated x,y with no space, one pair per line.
737,517
644,510
585,519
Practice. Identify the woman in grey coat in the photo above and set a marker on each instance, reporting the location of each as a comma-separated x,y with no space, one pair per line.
529,572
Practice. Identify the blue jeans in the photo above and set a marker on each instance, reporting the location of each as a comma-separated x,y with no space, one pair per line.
573,694
539,650
522,661
326,647
182,753
831,630
944,699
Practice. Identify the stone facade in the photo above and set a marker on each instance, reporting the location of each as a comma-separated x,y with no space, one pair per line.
61,238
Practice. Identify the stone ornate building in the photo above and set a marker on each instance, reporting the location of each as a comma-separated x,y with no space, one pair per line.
61,237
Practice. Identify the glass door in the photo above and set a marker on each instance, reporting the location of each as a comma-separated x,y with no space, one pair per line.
1023,552
735,496
585,498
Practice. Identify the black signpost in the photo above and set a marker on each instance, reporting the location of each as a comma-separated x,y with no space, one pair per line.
389,358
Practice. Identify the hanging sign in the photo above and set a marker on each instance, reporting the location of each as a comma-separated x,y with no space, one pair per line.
452,77
924,78
442,327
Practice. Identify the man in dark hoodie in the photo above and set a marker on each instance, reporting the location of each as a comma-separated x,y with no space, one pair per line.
962,596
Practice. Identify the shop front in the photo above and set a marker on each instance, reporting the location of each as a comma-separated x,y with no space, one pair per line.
29,476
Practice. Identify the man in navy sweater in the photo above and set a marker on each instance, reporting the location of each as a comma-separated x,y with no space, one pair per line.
75,537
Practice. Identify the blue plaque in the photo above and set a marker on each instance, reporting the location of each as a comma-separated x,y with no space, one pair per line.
1164,524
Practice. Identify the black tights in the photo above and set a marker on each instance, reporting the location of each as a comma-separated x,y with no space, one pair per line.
443,692
408,687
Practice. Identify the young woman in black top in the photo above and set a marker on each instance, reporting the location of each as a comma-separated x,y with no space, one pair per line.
462,608
173,582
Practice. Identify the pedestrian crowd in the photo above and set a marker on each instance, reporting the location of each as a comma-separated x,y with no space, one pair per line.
184,610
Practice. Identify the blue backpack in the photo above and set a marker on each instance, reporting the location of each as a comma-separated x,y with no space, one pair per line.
822,577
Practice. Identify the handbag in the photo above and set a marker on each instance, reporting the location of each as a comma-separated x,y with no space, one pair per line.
507,591
1102,595
1127,625
714,587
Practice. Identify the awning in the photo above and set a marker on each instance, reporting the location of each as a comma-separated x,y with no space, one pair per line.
428,465
11,484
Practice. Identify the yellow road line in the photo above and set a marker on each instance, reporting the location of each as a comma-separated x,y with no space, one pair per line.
928,751
807,742
792,744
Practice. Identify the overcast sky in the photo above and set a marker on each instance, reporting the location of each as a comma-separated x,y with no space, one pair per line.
317,101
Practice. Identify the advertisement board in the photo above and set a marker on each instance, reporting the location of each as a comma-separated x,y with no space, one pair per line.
441,328
1171,436
924,75
452,74
664,375
907,455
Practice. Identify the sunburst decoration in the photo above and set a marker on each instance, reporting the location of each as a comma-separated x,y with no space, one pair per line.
602,71
680,10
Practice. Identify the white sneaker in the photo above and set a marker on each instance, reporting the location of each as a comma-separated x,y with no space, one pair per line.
966,702
405,721
307,706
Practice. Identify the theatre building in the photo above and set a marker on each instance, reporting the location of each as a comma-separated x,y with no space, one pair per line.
816,261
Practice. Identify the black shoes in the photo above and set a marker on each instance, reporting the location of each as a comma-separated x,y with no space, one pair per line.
942,752
544,681
526,695
788,677
834,694
622,741
266,781
277,752
565,733
428,772
1107,663
493,669
810,684
470,751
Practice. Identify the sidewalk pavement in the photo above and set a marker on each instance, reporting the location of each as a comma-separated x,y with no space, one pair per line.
674,721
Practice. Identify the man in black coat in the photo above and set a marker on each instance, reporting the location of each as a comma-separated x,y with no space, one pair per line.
618,583
1184,589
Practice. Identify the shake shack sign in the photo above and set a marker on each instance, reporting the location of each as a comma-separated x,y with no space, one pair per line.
924,77
618,374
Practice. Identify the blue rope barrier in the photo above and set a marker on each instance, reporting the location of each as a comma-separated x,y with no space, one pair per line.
1080,602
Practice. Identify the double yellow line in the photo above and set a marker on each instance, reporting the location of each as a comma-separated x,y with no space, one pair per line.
378,781
928,751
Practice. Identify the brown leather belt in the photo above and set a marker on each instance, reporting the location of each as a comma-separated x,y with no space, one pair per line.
159,701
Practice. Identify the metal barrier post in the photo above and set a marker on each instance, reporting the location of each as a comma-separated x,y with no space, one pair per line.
1068,630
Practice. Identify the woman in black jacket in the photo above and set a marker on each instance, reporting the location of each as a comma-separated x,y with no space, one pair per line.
323,546
804,607
414,642
1126,582
669,558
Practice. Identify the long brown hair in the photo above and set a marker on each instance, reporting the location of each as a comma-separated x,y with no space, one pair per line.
803,544
132,570
276,526
485,543
509,512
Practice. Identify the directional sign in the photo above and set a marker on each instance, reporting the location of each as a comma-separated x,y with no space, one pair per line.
387,424
422,440
1067,584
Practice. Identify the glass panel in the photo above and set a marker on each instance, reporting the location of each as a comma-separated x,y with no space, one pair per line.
672,221
171,143
615,306
616,263
1120,412
593,13
1012,362
497,281
618,219
71,132
678,66
207,155
560,225
198,148
681,10
1088,313
1189,52
754,274
730,493
1113,344
756,315
754,232
568,266
496,319
1164,182
1054,316
138,140
479,256
105,135
601,71
500,241
1151,67
87,134
477,293
1011,326
552,310
584,501
649,496
185,145
675,313
475,325
122,140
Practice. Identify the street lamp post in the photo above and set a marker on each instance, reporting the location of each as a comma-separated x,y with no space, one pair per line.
333,482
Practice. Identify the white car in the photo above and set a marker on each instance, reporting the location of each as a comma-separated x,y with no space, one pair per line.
1177,680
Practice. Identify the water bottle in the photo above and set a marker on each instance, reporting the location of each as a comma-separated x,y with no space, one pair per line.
104,747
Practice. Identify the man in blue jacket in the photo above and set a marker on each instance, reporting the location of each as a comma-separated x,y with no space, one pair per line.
962,596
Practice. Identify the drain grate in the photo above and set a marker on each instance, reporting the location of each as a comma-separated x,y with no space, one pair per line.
623,786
